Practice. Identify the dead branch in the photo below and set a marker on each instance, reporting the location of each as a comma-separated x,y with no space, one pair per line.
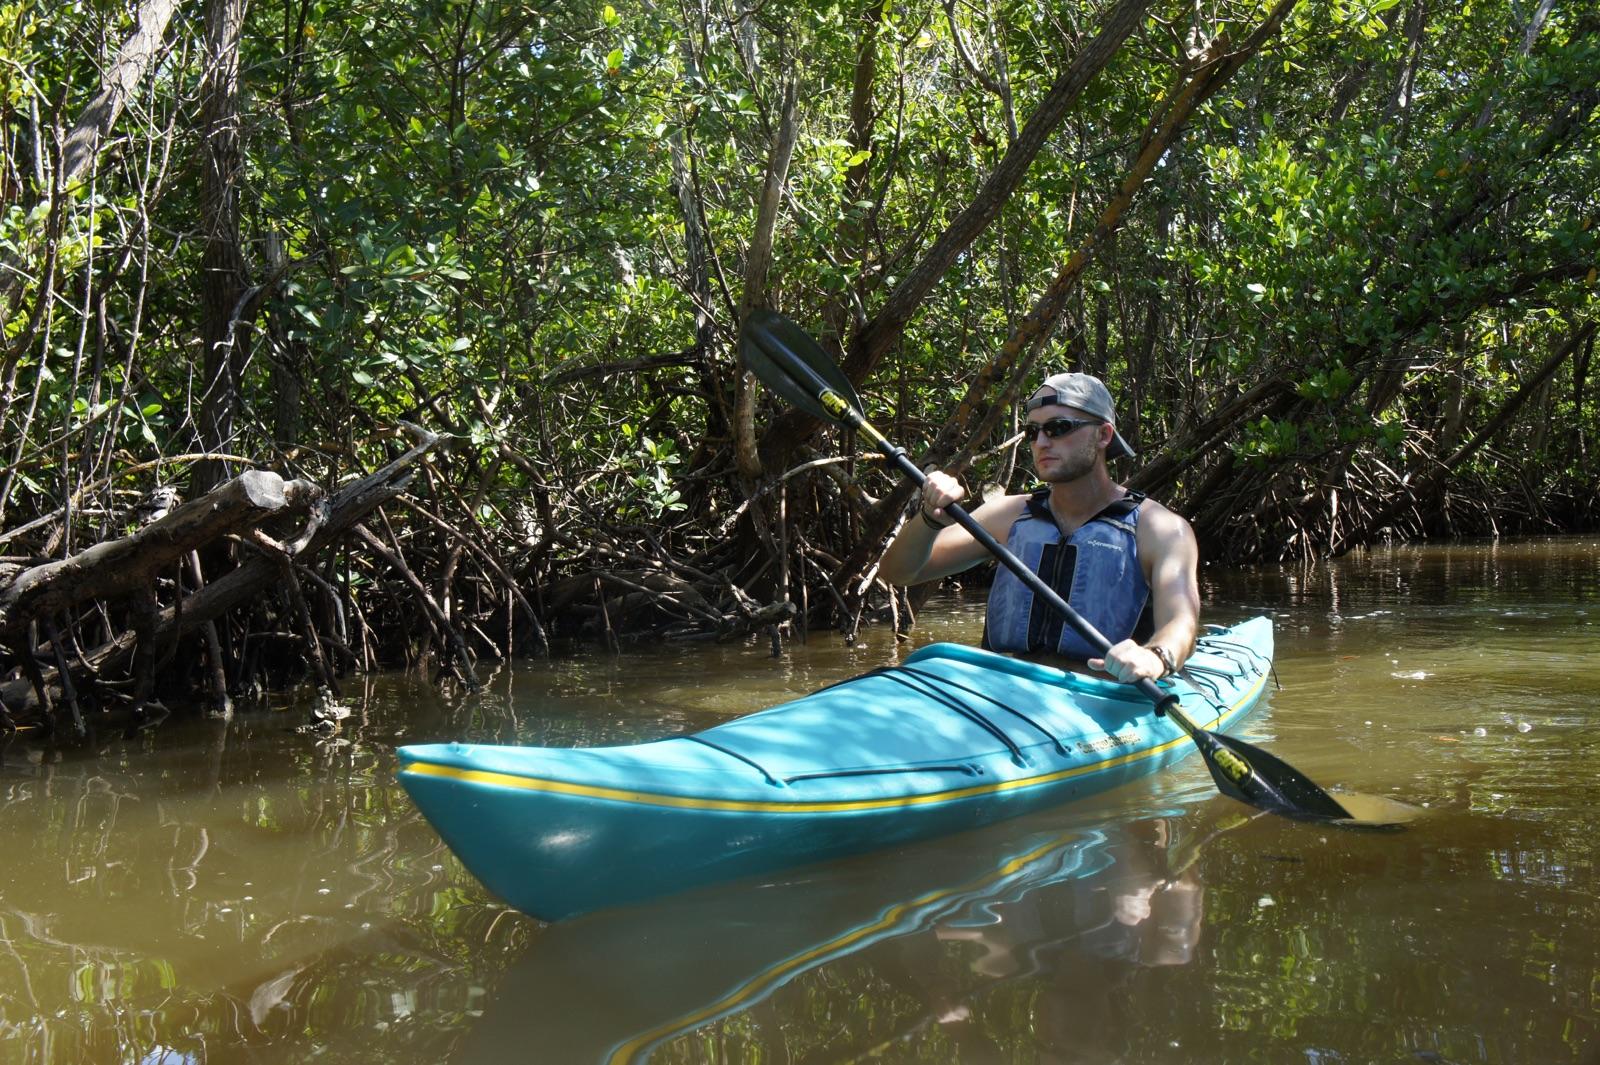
478,552
436,615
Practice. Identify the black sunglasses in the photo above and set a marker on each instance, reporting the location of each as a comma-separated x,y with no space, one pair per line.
1055,427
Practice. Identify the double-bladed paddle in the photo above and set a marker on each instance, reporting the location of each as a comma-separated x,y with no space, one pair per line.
790,362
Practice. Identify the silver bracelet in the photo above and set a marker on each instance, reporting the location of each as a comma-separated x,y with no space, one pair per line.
1167,659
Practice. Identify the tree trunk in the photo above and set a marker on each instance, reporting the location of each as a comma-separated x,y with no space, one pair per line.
846,312
1421,491
757,265
1211,70
118,567
886,327
134,59
225,336
980,410
1399,103
114,567
874,340
82,146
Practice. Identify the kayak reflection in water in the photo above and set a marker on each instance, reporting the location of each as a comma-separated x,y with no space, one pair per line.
894,949
1154,919
1081,939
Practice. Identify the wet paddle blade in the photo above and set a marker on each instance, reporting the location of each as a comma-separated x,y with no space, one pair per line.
779,352
1245,772
1273,784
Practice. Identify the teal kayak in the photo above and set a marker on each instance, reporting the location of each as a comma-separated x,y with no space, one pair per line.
952,738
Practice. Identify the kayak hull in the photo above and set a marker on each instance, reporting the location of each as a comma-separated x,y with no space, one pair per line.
951,739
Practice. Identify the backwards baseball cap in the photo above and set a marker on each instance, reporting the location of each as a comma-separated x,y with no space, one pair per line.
1087,393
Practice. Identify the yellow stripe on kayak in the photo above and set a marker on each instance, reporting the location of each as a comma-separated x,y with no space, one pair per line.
690,802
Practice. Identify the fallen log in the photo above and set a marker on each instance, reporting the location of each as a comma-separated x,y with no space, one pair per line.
341,512
123,567
128,566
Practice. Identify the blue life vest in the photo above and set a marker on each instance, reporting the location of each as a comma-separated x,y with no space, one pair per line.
1096,570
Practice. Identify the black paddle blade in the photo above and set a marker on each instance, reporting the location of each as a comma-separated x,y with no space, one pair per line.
781,353
1271,784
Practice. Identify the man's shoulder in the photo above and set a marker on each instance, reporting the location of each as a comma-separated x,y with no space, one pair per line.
1002,510
1157,518
1008,501
1147,504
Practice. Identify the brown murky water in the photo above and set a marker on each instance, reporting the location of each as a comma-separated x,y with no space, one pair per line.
234,892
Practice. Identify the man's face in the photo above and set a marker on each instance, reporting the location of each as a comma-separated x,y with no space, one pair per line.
1071,454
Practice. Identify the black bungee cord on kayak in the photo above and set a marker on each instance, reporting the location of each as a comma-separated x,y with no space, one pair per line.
1212,640
964,768
925,684
972,714
751,762
1198,676
1007,707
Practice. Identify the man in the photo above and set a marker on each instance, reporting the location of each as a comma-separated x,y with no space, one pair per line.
1126,563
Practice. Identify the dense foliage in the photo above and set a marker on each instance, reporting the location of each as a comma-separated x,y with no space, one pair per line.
1356,298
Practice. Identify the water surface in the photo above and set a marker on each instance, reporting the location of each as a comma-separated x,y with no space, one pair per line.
240,892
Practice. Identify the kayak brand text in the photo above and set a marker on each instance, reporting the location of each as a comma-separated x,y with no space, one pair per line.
1121,739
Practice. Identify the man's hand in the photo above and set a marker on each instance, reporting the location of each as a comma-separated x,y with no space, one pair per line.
1129,662
938,492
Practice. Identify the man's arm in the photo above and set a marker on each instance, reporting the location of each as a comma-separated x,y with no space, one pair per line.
921,553
1171,557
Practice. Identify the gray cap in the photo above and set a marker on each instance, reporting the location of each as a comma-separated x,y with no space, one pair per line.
1087,393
